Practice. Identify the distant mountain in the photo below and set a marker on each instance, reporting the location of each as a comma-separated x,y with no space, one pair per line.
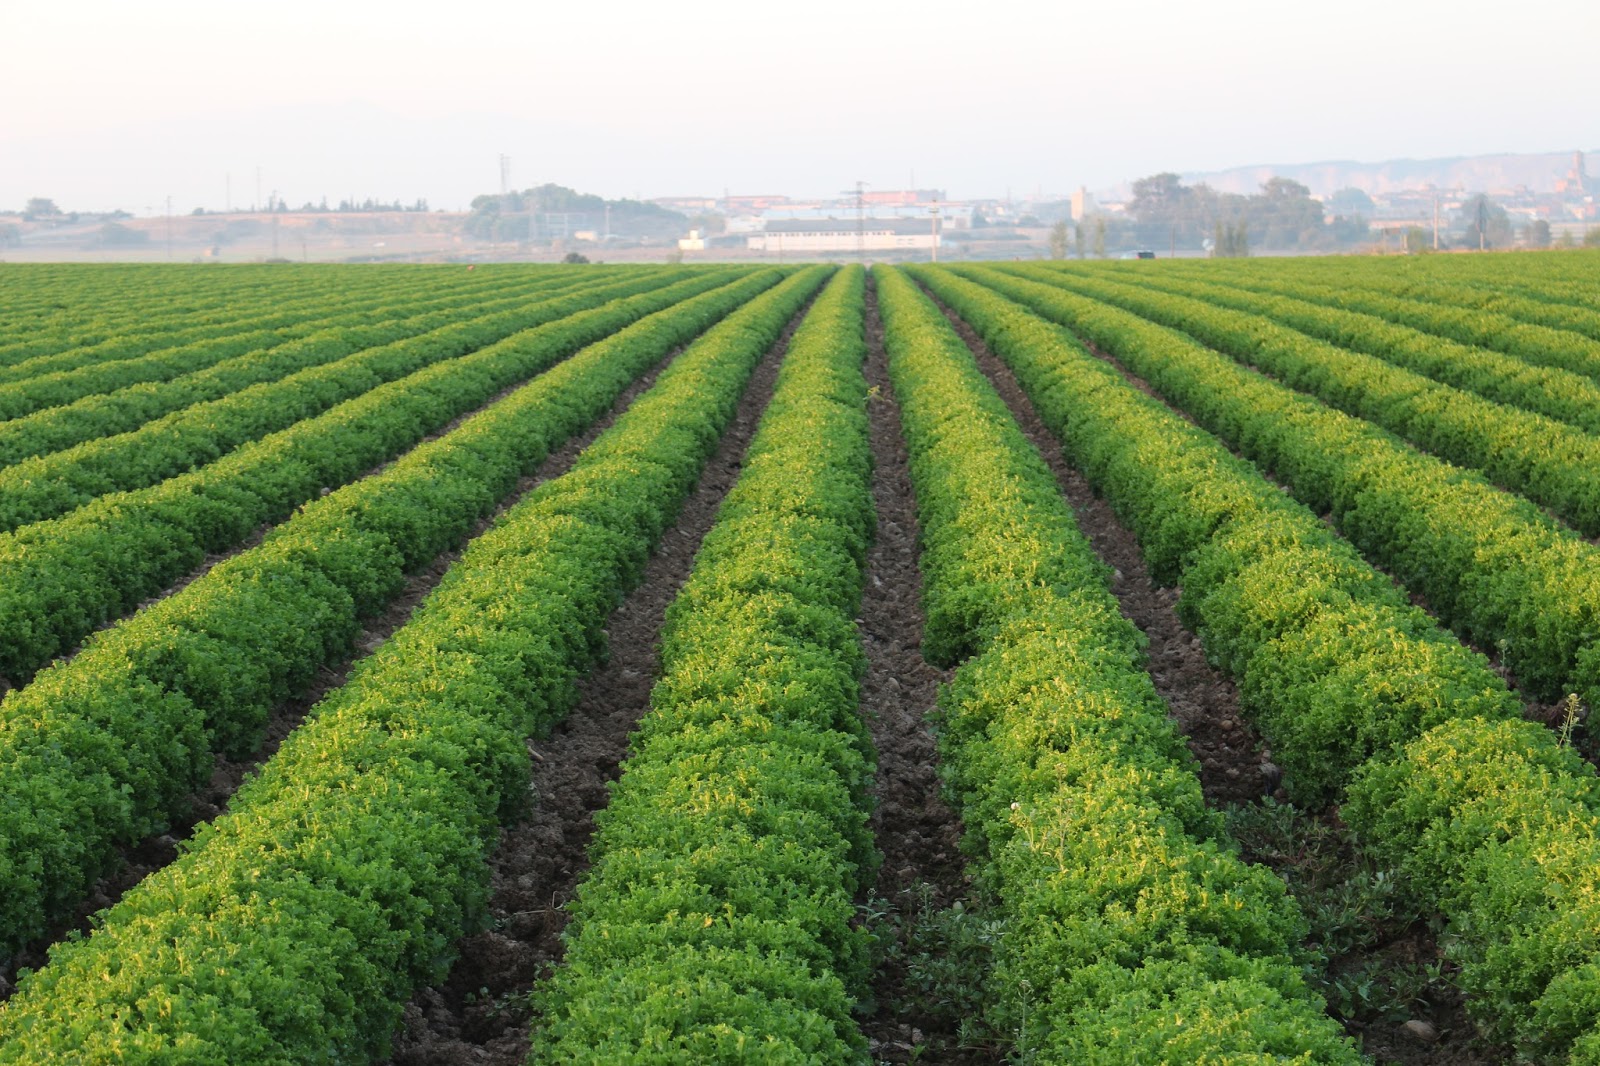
1479,173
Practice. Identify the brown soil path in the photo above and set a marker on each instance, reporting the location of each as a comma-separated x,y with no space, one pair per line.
923,871
480,1014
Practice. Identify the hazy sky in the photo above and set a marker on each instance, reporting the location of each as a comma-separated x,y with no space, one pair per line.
108,105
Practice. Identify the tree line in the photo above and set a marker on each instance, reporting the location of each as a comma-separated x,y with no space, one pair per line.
554,212
1282,216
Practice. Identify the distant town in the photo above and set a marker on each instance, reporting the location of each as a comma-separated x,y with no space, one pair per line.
1485,203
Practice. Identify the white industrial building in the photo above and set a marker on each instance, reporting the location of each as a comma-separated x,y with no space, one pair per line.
800,236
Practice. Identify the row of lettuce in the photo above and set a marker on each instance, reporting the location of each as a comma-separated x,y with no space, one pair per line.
1559,280
1134,932
56,318
293,929
47,486
63,378
1492,565
133,315
1415,329
102,749
1492,820
54,411
1550,462
1562,389
1493,311
718,924
62,578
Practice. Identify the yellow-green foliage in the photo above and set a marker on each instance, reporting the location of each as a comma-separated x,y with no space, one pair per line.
1488,819
718,924
1133,931
60,579
294,928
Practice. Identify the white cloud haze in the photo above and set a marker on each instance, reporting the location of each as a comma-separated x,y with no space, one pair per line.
118,105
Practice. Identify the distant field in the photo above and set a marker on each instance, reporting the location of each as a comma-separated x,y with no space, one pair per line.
1115,662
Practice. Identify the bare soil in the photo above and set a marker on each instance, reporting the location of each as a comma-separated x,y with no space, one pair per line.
918,834
1456,1041
481,1014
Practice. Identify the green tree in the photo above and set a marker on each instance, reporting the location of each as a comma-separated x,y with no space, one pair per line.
1282,215
1537,234
1158,198
1350,202
1100,237
1059,238
1591,237
1079,245
1285,214
1486,223
1417,240
116,235
548,212
1163,209
709,223
1348,230
40,207
1231,241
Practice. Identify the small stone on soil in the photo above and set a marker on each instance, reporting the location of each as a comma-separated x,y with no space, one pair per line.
1417,1029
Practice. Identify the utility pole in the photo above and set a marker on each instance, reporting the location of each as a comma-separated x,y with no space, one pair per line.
934,212
861,217
274,227
861,222
1436,222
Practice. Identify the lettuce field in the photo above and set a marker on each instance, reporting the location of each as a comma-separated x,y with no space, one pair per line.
1027,662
